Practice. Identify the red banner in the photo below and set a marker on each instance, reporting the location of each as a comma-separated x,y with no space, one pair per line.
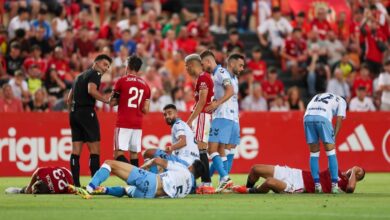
310,7
30,140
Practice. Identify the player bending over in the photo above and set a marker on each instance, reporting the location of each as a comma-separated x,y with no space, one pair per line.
46,180
176,182
184,149
290,180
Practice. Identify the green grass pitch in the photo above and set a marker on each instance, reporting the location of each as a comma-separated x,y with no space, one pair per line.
371,201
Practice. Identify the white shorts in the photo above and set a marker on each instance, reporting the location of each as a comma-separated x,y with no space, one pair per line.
126,139
292,177
201,127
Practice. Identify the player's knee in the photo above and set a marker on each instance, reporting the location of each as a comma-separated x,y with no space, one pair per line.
269,181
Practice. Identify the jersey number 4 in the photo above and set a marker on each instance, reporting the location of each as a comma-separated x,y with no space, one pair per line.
135,97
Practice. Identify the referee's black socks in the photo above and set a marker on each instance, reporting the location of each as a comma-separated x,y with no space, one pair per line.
75,169
134,162
94,163
122,158
205,160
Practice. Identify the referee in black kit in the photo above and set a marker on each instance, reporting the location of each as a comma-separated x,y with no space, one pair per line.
83,118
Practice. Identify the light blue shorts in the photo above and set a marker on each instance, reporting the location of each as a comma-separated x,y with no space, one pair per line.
235,137
144,184
318,128
170,157
221,130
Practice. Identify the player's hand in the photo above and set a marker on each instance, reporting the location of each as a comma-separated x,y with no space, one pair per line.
214,105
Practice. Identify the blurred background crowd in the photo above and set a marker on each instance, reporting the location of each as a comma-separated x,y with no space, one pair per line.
291,56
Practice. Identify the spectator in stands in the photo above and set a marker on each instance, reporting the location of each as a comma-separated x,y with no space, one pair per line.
9,103
294,99
83,20
320,24
19,86
174,25
186,43
301,22
264,10
335,47
345,66
317,46
60,64
152,44
16,6
272,86
39,39
126,41
19,22
243,24
279,105
34,81
318,76
189,98
337,85
361,103
276,28
294,51
14,60
39,102
363,79
41,21
233,42
150,22
83,44
177,95
155,102
21,39
384,87
255,101
68,43
168,45
119,62
35,58
176,66
60,23
152,78
61,105
108,30
257,65
341,27
199,29
219,17
130,24
3,40
54,85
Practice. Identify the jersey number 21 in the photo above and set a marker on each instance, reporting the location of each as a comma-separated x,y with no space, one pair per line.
135,97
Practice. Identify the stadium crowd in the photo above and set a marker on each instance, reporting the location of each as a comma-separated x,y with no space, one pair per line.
44,45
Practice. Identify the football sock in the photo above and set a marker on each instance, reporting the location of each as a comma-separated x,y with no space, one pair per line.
217,161
205,160
134,162
212,170
117,191
122,158
94,163
249,184
333,165
225,163
314,166
230,158
75,169
100,176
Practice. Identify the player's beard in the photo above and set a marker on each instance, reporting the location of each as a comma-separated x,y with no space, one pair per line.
170,122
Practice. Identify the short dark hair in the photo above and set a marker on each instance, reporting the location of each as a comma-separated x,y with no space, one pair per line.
207,53
199,168
364,174
301,14
41,188
275,9
297,30
235,56
134,63
233,31
387,62
170,106
103,57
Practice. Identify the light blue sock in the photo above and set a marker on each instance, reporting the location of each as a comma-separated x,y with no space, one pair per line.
100,176
212,169
153,169
230,158
333,165
217,161
117,191
314,166
225,163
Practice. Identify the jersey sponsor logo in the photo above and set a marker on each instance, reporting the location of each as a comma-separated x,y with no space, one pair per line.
357,141
27,151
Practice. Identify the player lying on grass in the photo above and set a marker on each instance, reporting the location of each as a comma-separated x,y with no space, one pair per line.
46,180
290,180
176,182
183,149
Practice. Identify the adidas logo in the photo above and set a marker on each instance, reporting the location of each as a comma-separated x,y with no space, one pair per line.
358,141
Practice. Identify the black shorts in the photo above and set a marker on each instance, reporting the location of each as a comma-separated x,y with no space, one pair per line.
85,125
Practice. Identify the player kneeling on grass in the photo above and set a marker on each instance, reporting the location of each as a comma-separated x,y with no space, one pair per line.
176,182
184,149
290,180
46,180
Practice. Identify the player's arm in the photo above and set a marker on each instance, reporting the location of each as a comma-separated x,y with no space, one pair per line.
93,91
199,106
114,98
228,94
70,98
351,182
146,107
179,144
155,161
34,178
337,126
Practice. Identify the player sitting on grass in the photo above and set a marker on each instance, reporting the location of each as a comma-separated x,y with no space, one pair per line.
290,180
184,149
176,182
46,180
